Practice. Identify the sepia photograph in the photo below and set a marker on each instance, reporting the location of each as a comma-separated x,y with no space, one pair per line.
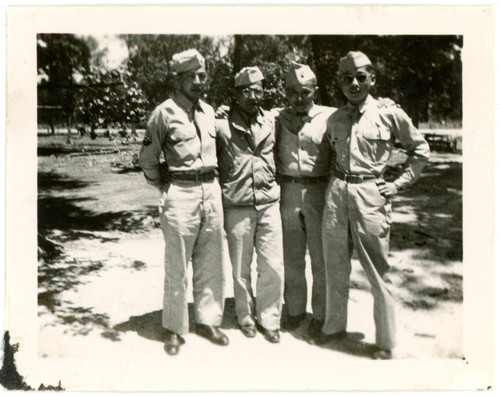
249,206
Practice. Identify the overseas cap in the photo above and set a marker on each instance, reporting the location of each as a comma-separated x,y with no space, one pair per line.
301,74
187,60
247,76
353,60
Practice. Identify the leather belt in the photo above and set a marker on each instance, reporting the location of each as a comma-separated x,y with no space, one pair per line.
303,179
354,179
198,177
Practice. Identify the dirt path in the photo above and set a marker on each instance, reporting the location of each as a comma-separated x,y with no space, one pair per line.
102,297
119,294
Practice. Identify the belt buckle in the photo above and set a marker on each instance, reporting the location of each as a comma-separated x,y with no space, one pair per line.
356,179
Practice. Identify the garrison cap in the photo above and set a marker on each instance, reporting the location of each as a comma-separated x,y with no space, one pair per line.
186,61
301,74
353,60
247,76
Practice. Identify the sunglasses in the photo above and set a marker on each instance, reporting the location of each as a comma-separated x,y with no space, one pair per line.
247,92
360,78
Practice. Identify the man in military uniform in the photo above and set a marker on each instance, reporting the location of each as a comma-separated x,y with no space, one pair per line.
183,129
358,199
251,195
303,160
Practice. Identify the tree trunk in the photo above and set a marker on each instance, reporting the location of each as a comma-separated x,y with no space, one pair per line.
52,126
68,124
238,47
320,70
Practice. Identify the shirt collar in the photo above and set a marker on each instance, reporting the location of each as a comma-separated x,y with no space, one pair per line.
239,119
314,111
362,106
186,104
289,113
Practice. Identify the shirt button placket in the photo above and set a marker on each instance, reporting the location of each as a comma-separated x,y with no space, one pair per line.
299,151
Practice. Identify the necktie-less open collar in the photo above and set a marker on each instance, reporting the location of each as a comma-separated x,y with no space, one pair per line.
242,121
197,106
307,116
360,109
186,104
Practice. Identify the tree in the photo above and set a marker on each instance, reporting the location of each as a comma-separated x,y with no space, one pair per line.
149,57
422,73
110,99
62,59
272,54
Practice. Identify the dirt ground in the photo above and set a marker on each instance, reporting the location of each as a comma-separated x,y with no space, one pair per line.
100,274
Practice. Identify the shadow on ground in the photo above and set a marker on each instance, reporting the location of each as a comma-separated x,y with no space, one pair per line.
353,343
435,200
427,222
65,213
84,147
150,327
51,181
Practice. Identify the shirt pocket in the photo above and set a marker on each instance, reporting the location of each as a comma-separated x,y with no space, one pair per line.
183,134
341,131
376,132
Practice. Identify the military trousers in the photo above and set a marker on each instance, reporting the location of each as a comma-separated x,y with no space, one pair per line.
249,229
191,221
301,209
357,215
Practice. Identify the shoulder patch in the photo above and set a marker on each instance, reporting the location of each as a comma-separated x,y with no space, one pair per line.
148,138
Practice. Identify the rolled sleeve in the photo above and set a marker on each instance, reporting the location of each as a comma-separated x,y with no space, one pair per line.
416,148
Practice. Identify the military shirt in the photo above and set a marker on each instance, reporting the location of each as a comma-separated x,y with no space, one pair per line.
246,160
301,149
362,139
185,133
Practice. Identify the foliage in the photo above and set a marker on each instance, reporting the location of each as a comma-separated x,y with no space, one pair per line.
61,57
272,54
149,57
72,77
61,60
109,98
421,73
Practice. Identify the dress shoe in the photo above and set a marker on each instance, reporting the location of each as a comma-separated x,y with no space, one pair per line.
172,343
315,327
322,338
382,354
248,330
292,322
270,335
212,334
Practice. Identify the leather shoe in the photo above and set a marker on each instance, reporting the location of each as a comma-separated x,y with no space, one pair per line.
382,354
315,327
212,334
322,338
270,335
248,330
292,322
172,343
